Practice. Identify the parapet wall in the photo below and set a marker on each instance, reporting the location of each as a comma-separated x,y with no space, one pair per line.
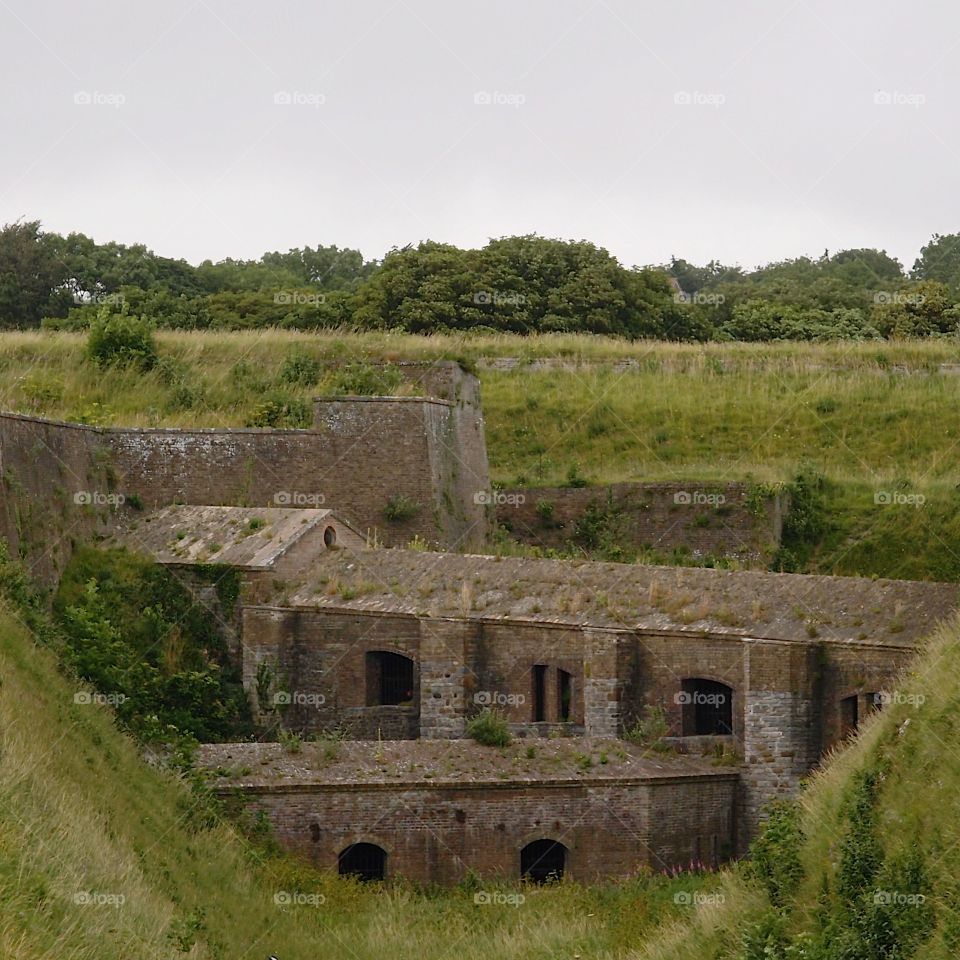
441,811
729,520
393,467
435,834
57,489
357,474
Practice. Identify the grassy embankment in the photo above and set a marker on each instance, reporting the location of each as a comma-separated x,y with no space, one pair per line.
103,857
869,868
870,418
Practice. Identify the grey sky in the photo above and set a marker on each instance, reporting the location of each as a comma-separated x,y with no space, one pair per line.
806,124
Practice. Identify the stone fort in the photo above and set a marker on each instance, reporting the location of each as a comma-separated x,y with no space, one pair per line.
654,711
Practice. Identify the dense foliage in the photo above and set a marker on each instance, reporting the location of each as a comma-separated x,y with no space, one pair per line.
523,284
137,632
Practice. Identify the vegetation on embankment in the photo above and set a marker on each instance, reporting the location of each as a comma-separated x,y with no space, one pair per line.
873,420
106,857
865,865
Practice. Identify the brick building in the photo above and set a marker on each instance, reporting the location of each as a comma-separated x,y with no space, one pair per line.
761,672
747,678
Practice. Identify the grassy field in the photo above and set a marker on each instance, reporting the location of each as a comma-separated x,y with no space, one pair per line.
712,412
871,869
875,420
103,857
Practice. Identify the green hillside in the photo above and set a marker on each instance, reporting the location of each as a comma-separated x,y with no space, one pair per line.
863,420
105,857
868,865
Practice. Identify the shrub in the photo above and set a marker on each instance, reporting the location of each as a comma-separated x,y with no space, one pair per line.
649,729
400,508
132,628
301,369
489,728
574,478
364,380
280,410
120,339
545,509
775,854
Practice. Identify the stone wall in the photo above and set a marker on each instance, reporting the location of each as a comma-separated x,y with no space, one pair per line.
58,489
61,481
731,520
319,660
435,833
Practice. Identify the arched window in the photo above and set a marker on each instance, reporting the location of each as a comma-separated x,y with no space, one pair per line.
564,696
330,537
389,678
849,715
707,708
365,861
543,860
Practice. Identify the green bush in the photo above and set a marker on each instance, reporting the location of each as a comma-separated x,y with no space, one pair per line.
280,410
134,630
400,509
300,369
364,380
649,729
120,339
490,729
775,854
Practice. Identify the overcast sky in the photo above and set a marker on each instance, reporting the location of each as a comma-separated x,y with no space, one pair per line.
745,131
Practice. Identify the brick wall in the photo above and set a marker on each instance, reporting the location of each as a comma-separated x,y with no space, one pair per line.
725,520
361,454
434,833
320,660
57,489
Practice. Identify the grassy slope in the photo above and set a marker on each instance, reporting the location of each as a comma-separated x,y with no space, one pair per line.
916,811
80,813
693,413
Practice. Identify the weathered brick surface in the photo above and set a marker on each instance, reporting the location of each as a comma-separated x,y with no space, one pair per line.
321,662
663,816
56,490
723,520
361,454
785,694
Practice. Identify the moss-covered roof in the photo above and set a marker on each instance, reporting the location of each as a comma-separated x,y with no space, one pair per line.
439,762
627,596
249,537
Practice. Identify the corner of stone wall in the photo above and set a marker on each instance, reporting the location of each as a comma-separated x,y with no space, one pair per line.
780,729
444,646
601,684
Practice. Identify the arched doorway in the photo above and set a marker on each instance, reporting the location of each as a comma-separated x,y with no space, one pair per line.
365,861
707,708
389,678
543,860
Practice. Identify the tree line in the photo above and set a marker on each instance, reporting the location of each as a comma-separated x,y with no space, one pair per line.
522,284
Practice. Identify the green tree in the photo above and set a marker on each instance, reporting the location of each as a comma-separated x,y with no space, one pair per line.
940,260
33,275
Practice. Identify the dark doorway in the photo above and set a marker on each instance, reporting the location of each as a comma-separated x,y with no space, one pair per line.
389,678
849,715
707,708
543,860
539,693
365,861
564,695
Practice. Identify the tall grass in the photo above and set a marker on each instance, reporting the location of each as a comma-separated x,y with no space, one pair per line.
688,411
872,418
914,739
103,857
